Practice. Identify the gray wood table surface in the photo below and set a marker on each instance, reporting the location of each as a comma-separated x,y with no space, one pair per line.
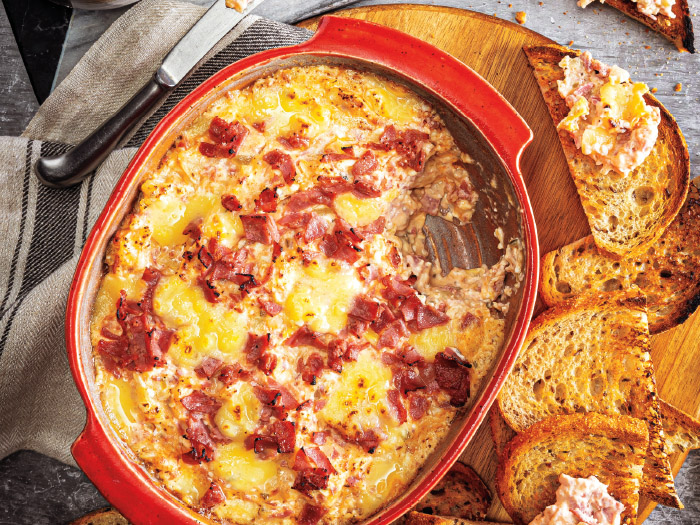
56,493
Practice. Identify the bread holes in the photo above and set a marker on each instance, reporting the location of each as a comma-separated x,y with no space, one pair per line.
538,389
570,350
611,285
642,281
613,222
563,287
560,392
597,386
643,196
665,273
620,332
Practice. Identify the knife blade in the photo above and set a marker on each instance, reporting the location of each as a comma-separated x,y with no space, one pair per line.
72,167
204,35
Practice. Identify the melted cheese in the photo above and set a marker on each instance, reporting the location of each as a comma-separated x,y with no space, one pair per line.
242,468
170,216
124,403
189,483
203,328
383,479
109,294
361,212
358,401
240,414
322,296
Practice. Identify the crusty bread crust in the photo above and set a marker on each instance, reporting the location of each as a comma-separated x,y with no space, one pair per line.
668,274
611,448
417,518
591,354
678,30
106,516
627,214
501,432
460,493
682,430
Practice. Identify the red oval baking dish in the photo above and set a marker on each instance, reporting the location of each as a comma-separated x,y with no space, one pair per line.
483,123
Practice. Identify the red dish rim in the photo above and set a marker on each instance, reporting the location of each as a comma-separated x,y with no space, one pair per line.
124,483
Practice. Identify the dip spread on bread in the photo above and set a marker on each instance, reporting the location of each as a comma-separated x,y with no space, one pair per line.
608,118
651,8
581,501
271,341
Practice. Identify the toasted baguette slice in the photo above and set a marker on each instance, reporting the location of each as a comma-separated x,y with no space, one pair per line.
460,493
418,518
611,448
682,431
501,433
591,354
627,214
668,273
106,516
678,30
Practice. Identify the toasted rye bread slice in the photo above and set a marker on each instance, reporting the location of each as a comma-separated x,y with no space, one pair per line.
682,431
611,448
627,214
678,30
460,493
591,354
418,518
106,516
667,273
501,433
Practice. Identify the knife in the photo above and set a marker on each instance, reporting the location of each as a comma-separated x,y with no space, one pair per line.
72,167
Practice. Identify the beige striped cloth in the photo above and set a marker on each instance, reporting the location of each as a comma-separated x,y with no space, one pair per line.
42,230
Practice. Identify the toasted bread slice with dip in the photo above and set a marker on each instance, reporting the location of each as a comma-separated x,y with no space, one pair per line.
682,431
460,493
678,29
612,448
667,273
627,210
591,354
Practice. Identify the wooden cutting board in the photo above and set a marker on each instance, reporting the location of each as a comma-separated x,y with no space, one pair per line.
493,48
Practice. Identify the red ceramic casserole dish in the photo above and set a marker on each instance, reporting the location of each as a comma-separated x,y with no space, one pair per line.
483,123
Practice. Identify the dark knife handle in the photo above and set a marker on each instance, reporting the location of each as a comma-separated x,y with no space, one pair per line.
70,168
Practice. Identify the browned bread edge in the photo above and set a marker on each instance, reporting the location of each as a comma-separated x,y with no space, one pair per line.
678,30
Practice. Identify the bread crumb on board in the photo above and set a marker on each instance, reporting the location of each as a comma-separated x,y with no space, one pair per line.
520,17
238,5
678,87
654,90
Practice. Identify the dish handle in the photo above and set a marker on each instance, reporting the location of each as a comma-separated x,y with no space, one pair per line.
104,463
437,70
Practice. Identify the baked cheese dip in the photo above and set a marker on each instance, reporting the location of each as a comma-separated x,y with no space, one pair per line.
270,339
608,118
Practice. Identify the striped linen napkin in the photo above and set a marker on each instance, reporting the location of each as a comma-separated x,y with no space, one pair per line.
43,229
